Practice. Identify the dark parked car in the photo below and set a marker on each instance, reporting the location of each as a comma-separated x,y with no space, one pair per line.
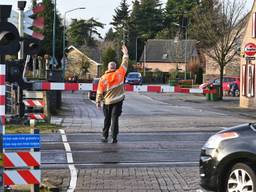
228,160
134,78
92,93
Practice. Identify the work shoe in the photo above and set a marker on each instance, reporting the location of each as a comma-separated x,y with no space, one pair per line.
114,141
104,140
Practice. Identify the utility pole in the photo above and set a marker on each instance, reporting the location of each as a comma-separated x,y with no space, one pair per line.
53,61
145,59
9,44
21,7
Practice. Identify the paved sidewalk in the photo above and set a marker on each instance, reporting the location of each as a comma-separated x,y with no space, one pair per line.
164,179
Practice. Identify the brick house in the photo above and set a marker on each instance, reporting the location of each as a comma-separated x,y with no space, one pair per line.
212,69
247,63
165,55
80,64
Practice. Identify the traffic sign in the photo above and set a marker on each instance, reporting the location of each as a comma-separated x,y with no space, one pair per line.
37,22
38,9
36,35
250,49
21,177
250,58
21,159
21,141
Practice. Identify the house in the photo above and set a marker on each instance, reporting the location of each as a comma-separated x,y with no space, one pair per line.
212,68
167,55
247,63
80,64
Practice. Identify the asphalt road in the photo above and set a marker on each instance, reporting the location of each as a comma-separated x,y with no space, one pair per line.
158,138
143,113
133,149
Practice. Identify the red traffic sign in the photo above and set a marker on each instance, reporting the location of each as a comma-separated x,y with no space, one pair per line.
250,49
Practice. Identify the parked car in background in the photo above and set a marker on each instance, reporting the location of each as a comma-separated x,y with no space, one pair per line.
228,160
92,93
134,78
227,81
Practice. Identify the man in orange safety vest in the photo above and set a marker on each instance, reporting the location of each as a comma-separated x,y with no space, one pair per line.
111,92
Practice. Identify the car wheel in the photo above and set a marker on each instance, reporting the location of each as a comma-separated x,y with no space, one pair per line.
90,96
241,178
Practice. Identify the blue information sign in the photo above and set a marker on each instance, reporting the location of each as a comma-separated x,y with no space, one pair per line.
21,141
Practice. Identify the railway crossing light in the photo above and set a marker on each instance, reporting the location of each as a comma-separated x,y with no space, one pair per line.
9,35
32,46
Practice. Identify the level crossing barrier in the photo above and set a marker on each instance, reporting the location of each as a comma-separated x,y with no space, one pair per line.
62,86
35,103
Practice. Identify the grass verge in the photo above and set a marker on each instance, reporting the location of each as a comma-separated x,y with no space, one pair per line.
20,128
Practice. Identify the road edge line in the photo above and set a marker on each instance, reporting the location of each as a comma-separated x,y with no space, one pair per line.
71,166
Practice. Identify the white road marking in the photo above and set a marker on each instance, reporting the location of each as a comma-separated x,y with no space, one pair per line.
156,101
183,107
72,168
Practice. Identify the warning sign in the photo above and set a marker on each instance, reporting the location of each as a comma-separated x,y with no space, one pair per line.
250,49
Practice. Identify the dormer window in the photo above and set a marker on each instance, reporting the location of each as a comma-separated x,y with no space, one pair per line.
165,56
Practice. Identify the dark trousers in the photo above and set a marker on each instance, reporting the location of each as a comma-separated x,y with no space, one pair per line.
112,113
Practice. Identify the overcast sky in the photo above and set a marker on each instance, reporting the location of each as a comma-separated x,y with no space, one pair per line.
102,10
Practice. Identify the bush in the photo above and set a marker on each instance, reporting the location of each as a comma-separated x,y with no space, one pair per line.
186,83
172,82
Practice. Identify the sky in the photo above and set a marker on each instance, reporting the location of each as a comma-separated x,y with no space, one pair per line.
101,10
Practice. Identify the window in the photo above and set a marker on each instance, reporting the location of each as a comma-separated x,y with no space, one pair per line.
248,86
254,25
244,80
250,81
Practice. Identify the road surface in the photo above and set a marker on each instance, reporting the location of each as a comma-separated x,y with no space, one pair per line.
158,147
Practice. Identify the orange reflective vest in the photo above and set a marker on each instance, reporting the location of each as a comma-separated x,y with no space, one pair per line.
111,85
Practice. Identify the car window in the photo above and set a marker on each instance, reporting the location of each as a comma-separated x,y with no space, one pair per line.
226,79
95,81
134,75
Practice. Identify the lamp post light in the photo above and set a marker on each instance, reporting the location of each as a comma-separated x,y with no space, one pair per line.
185,52
64,39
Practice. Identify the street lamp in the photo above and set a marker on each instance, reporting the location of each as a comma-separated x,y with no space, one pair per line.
186,38
64,39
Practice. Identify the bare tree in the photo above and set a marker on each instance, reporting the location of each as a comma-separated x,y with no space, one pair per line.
218,24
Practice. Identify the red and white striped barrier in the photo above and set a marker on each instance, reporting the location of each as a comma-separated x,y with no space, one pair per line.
21,159
35,116
22,177
2,95
48,86
33,103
